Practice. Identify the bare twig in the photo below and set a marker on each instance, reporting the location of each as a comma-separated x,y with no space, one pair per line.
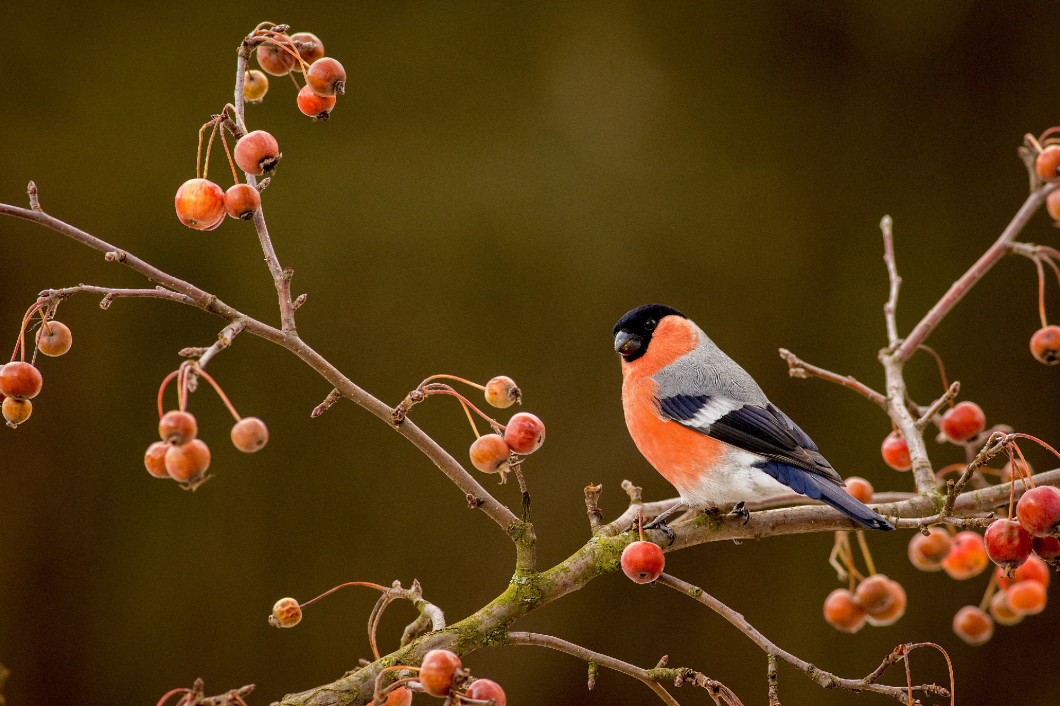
592,506
891,306
329,401
798,368
821,677
597,658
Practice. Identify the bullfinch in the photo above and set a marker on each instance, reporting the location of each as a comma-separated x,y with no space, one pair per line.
707,427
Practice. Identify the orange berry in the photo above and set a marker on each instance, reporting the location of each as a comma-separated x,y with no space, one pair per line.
309,46
178,427
250,434
315,106
502,392
962,421
843,611
860,489
15,410
274,59
54,338
926,552
874,594
200,204
486,689
894,611
1047,162
1034,569
286,613
255,85
189,461
1045,343
525,433
1001,611
257,153
967,556
155,459
1027,597
489,454
397,697
20,380
1052,204
973,625
326,77
438,671
241,200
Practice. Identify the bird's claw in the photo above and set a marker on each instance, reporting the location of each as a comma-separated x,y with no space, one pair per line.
659,523
739,510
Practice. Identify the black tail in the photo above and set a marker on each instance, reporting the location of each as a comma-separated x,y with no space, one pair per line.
823,489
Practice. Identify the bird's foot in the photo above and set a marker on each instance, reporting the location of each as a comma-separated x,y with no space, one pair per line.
659,523
739,510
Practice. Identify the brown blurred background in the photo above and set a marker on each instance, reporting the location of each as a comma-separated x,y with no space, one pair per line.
500,184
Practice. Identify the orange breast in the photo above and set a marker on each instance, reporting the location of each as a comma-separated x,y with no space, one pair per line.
676,452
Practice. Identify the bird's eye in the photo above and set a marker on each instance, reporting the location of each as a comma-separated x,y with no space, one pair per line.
649,325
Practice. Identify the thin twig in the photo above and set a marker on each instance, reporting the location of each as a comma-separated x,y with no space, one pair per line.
798,368
598,658
891,306
938,404
820,676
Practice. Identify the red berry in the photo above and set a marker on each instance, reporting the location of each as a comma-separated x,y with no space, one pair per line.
642,561
1048,548
16,411
200,204
896,452
894,611
502,392
962,421
257,153
255,85
178,427
1007,544
54,338
860,489
926,552
1001,611
1038,510
309,46
967,556
973,625
1047,162
327,77
241,200
1045,343
155,459
843,611
1027,597
276,60
20,380
486,689
316,107
489,454
250,434
189,461
525,433
438,671
286,613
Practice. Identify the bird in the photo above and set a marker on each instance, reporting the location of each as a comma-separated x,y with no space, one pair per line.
707,427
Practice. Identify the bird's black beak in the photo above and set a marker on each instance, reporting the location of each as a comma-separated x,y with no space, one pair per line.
627,343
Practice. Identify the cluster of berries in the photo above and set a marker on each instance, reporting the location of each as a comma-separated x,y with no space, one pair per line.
181,455
876,600
1047,167
281,54
202,204
20,381
959,424
495,452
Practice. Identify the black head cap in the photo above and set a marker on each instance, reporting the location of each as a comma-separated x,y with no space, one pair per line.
633,331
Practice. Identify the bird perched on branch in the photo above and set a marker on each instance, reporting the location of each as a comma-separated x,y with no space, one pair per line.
707,427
